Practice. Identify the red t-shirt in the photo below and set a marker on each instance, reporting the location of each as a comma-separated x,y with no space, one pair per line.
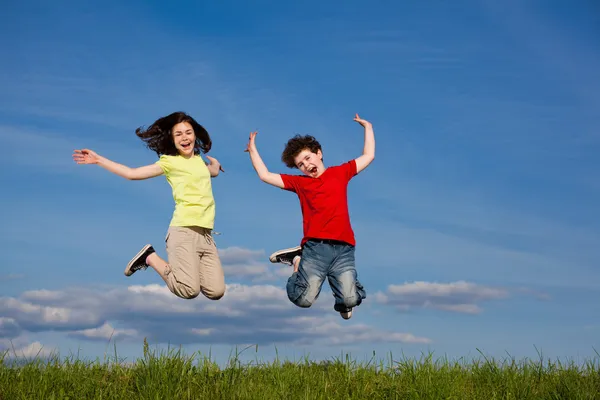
324,202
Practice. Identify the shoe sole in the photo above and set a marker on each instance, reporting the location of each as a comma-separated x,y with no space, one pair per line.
273,257
348,314
135,259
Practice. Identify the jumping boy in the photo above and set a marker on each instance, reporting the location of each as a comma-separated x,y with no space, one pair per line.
327,247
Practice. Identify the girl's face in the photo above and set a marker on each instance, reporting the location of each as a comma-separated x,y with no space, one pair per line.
184,138
311,164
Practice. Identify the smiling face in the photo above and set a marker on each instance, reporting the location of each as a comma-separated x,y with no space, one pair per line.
311,164
184,138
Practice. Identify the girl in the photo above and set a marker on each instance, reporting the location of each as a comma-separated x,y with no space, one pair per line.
194,266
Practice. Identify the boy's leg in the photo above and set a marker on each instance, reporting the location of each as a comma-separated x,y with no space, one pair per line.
304,286
181,273
212,278
346,288
286,256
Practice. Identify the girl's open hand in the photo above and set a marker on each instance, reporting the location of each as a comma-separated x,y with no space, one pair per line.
215,163
85,156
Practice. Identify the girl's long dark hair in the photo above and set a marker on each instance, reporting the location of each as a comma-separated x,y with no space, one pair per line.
158,136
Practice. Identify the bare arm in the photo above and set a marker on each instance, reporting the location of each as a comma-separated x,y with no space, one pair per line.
214,166
259,165
86,156
368,154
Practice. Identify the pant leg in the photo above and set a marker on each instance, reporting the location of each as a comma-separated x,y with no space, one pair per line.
304,286
210,271
182,271
347,290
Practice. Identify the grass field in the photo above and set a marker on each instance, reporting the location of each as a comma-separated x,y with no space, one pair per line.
173,375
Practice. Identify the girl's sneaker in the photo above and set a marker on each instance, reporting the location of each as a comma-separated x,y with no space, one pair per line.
139,261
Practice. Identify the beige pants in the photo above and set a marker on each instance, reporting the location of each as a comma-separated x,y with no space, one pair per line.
194,264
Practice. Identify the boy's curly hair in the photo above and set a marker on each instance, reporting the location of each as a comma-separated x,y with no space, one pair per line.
159,138
295,146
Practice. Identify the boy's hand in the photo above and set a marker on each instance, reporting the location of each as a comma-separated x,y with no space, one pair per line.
85,156
361,121
214,161
251,142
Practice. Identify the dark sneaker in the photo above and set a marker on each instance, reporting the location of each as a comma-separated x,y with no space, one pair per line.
139,261
285,256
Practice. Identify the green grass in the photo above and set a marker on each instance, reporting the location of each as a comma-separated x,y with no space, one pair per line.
174,375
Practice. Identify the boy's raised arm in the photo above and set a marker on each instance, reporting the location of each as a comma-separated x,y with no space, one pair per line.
368,154
259,165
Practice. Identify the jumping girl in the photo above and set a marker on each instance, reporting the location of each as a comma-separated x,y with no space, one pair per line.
193,265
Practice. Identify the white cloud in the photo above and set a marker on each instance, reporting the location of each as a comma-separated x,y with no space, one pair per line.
33,350
460,297
21,346
105,332
338,333
34,317
202,332
445,290
260,314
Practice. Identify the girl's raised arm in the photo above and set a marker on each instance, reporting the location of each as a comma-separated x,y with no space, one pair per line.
86,156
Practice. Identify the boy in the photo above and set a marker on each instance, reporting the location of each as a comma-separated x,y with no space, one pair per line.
327,246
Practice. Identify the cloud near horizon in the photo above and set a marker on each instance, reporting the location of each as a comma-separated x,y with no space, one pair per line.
21,347
247,314
460,297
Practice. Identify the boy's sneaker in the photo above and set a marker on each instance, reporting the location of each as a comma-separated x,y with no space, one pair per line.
139,261
346,314
286,256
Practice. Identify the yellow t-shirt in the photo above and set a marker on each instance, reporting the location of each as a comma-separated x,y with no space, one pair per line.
192,190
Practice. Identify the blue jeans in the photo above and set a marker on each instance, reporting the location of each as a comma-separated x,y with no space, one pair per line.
334,261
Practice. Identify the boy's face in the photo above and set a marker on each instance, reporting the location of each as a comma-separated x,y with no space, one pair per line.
311,164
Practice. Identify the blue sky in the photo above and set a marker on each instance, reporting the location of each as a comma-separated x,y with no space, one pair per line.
477,224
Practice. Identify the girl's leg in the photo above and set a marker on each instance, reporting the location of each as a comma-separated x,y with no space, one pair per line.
210,270
181,273
145,258
159,265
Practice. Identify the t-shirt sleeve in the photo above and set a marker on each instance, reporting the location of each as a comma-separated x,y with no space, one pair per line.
350,170
164,163
290,182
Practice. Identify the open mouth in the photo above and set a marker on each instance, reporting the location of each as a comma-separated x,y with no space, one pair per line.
186,145
312,170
